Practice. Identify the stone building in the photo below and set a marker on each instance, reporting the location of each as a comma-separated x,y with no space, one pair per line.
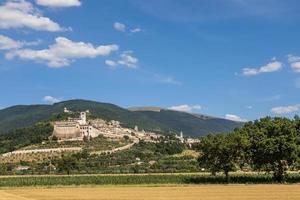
74,128
67,130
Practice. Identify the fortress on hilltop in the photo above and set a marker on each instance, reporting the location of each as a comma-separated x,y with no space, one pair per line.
74,128
79,128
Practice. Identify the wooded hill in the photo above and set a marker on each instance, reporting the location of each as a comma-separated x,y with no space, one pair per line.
165,121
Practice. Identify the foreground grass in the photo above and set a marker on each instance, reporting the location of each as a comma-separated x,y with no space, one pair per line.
203,192
159,179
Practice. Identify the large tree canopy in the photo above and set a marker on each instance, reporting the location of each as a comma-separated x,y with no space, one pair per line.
222,152
274,145
268,144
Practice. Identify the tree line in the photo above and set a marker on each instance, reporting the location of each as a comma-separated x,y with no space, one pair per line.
268,145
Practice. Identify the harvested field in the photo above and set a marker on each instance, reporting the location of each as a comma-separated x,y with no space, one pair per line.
204,192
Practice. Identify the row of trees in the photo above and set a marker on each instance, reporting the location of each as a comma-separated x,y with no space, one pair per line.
268,144
144,151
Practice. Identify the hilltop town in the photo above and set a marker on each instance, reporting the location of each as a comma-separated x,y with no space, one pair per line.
81,128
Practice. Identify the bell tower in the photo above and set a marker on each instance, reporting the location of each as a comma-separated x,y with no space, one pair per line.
83,117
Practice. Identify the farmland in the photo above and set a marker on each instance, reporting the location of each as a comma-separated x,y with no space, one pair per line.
138,179
174,192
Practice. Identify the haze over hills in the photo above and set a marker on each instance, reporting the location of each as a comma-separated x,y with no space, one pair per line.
147,118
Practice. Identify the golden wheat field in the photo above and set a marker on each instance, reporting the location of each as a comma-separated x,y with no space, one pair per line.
207,192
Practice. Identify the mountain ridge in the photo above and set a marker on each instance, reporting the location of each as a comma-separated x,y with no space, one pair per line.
164,121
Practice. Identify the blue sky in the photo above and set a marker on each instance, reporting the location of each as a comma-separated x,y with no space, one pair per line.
238,59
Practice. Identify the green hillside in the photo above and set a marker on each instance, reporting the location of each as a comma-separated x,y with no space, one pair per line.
164,121
23,116
191,124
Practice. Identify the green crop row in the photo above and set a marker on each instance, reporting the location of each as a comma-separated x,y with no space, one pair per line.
27,181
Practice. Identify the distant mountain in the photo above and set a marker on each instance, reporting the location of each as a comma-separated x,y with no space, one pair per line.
148,118
153,109
189,123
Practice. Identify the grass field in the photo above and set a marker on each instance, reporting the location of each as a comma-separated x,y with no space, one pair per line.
136,179
204,192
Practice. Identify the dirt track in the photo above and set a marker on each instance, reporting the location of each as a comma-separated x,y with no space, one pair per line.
205,192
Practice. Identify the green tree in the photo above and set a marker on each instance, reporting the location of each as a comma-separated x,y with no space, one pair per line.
67,164
3,169
222,152
274,145
297,123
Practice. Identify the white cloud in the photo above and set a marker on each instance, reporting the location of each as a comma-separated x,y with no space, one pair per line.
286,109
119,26
51,99
166,79
197,107
268,68
294,62
249,107
122,28
272,98
58,3
127,59
21,14
185,108
111,63
271,67
292,58
296,67
234,118
63,52
7,43
135,30
250,71
169,80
